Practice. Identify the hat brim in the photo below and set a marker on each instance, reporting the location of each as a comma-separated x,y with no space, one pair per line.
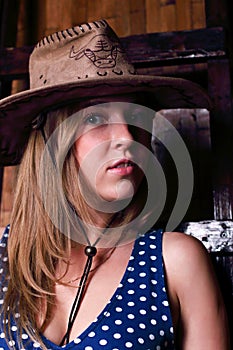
18,111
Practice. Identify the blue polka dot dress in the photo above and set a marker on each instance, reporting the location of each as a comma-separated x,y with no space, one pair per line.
137,317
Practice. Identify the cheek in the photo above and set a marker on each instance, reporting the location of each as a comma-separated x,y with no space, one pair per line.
85,146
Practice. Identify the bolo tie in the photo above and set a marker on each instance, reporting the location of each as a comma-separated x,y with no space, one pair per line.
90,250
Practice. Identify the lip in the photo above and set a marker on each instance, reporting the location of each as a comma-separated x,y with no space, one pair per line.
122,167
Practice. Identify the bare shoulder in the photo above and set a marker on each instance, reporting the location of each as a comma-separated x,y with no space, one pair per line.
186,259
194,290
181,248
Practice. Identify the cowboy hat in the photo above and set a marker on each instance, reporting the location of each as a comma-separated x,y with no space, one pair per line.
81,63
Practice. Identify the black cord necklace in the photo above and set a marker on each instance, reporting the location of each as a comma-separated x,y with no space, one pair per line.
90,252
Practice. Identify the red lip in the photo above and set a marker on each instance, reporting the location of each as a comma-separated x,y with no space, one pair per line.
117,163
122,167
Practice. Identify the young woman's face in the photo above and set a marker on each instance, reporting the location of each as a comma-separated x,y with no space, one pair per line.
112,148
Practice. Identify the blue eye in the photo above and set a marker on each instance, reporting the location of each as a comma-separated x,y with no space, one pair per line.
95,119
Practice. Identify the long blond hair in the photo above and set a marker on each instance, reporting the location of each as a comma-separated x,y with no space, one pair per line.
35,244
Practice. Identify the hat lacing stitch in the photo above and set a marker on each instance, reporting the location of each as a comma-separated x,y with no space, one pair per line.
58,34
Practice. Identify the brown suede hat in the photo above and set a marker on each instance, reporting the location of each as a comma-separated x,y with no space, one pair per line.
83,62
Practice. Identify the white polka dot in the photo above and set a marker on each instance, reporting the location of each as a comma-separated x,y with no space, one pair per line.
142,286
152,246
117,335
142,312
103,342
130,268
105,328
142,298
142,263
24,336
158,347
165,303
2,335
153,269
153,257
107,314
131,303
142,243
131,280
154,282
118,309
142,325
142,252
161,333
171,330
77,340
14,328
154,308
88,348
128,344
131,258
119,297
142,274
153,322
154,295
36,345
141,340
91,334
151,336
130,330
131,316
131,291
118,322
12,343
164,318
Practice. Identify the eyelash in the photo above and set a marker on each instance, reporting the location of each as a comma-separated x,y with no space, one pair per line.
88,118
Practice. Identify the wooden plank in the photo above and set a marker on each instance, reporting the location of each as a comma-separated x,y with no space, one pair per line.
79,14
137,17
153,19
14,62
157,48
168,15
198,14
183,15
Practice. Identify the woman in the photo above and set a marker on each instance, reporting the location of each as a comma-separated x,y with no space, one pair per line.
83,268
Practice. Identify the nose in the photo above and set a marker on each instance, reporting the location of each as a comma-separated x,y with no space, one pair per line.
121,137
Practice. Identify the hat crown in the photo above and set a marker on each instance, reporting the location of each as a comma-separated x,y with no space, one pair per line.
90,50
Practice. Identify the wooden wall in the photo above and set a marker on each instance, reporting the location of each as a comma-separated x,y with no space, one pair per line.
42,17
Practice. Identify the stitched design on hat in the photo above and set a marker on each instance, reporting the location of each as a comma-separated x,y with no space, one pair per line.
100,51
